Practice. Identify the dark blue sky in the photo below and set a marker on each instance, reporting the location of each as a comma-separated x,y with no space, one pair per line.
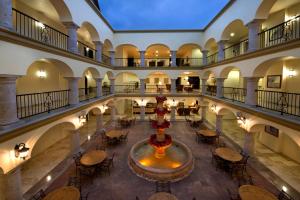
160,14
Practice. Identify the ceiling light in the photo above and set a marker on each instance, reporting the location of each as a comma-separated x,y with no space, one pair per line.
232,34
156,51
21,151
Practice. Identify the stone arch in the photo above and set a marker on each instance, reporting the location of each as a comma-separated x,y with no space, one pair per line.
211,43
94,72
107,46
194,45
225,111
92,31
40,145
237,27
129,49
207,74
125,78
110,74
226,70
264,9
162,49
62,10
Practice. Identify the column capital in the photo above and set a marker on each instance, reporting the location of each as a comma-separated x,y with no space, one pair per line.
98,79
220,79
71,25
255,22
221,42
204,50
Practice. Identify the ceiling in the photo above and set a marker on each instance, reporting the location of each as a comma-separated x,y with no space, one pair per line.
282,4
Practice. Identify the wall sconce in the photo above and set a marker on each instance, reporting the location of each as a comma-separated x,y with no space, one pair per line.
241,118
21,151
82,119
40,25
173,103
291,73
103,108
213,108
284,188
42,73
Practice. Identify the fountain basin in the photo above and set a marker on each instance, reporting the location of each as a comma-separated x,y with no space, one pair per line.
177,163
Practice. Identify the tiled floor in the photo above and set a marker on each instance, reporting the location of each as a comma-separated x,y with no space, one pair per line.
205,182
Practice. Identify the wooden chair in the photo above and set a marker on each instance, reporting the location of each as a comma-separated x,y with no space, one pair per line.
76,158
163,186
124,138
39,195
75,182
107,164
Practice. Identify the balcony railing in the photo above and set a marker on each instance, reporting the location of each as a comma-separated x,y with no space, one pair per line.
189,62
106,91
236,49
36,103
86,94
281,33
283,102
210,90
158,62
127,62
86,50
31,28
106,59
235,94
130,88
212,58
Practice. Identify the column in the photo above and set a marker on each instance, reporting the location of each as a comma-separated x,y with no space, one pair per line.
113,113
11,189
204,56
203,112
142,57
220,85
249,143
6,14
173,113
219,123
203,84
8,105
112,58
173,86
254,28
99,48
173,58
75,141
72,39
142,115
112,86
142,86
221,53
99,122
99,86
73,87
251,96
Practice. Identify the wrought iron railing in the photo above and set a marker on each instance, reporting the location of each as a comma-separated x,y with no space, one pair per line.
105,90
210,90
127,62
186,62
157,88
158,62
130,88
86,50
283,102
30,27
36,103
106,59
236,49
235,94
281,33
212,58
86,94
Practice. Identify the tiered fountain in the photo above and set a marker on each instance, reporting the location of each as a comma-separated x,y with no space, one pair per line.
160,158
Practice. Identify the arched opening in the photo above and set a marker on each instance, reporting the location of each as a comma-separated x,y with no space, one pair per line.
106,82
158,55
127,108
278,87
158,81
107,47
274,13
55,139
189,55
210,84
235,34
46,24
127,82
188,82
234,84
87,84
43,85
127,55
212,48
87,35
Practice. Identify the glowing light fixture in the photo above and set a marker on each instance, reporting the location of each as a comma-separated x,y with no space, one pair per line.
291,73
241,118
284,188
89,137
21,151
213,107
41,73
40,25
82,119
48,178
232,34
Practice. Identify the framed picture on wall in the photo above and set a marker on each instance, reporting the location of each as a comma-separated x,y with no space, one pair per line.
272,131
274,81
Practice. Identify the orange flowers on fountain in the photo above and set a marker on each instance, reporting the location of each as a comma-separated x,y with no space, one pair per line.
160,141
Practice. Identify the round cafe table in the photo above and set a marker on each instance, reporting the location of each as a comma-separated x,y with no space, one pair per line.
114,133
64,193
162,196
250,192
93,157
208,133
228,154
